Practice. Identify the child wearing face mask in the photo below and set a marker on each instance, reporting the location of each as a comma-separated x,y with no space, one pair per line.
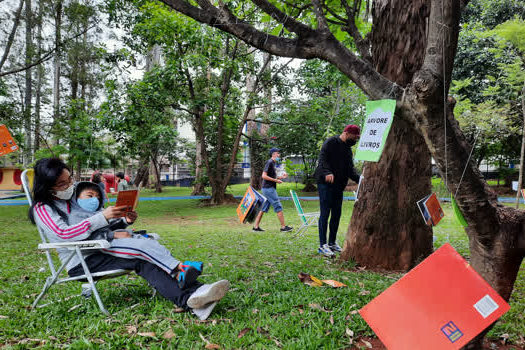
87,202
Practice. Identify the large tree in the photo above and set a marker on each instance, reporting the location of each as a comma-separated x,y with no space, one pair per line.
417,73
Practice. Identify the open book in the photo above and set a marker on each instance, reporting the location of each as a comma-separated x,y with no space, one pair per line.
7,143
430,209
128,198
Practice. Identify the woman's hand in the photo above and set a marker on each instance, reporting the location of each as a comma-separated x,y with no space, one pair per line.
113,212
122,234
131,216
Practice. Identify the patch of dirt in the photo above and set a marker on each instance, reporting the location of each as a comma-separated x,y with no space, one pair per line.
489,344
503,191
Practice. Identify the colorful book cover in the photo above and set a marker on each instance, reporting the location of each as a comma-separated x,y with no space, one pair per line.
7,143
128,198
431,210
246,204
442,303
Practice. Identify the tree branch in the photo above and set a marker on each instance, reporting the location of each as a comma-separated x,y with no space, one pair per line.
47,56
362,44
309,44
321,20
11,37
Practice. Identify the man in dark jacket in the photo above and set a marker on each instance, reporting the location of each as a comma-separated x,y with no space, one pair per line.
333,170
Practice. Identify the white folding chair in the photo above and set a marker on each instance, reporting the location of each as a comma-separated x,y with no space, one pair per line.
307,219
75,248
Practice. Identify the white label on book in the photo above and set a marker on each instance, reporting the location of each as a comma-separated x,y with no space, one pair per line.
486,306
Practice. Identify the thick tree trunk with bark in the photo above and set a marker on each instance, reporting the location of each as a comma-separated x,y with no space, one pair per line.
28,142
386,230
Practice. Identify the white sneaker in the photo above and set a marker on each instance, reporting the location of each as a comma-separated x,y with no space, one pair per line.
204,312
335,248
208,293
325,250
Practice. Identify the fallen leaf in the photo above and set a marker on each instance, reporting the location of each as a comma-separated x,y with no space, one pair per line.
243,332
254,311
131,329
361,284
74,307
2,317
168,334
364,292
367,344
262,331
98,341
332,320
353,312
147,334
349,332
178,310
52,337
212,346
263,295
334,284
149,322
316,306
310,280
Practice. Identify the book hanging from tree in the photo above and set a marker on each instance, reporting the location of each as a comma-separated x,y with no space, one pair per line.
7,143
379,117
431,209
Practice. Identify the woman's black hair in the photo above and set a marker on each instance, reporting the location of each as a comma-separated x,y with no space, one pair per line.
120,175
97,177
47,171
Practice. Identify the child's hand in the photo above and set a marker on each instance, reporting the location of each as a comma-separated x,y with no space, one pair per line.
131,216
113,212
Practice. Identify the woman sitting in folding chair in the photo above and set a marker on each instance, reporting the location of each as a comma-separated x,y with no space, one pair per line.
53,189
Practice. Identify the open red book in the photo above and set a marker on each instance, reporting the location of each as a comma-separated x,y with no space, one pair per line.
442,303
7,143
128,198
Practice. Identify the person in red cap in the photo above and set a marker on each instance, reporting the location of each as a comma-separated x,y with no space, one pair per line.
334,168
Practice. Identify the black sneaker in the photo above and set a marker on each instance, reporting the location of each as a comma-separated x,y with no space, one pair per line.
257,229
286,229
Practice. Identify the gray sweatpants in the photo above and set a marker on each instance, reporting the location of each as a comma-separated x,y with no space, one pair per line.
139,247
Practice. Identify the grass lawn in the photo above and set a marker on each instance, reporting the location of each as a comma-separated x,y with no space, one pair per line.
266,297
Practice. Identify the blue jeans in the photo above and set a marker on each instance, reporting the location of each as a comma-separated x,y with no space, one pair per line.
330,200
271,194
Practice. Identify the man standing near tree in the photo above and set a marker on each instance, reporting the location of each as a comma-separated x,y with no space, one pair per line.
269,190
334,168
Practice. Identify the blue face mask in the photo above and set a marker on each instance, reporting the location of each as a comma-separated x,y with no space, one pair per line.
278,159
89,204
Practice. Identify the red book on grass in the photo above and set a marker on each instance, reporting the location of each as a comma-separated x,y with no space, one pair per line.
442,303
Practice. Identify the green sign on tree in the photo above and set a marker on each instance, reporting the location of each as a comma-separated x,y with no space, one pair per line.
379,116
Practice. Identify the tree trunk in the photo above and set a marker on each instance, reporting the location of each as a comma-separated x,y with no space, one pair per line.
57,66
198,186
40,76
141,180
156,169
28,85
386,230
522,154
